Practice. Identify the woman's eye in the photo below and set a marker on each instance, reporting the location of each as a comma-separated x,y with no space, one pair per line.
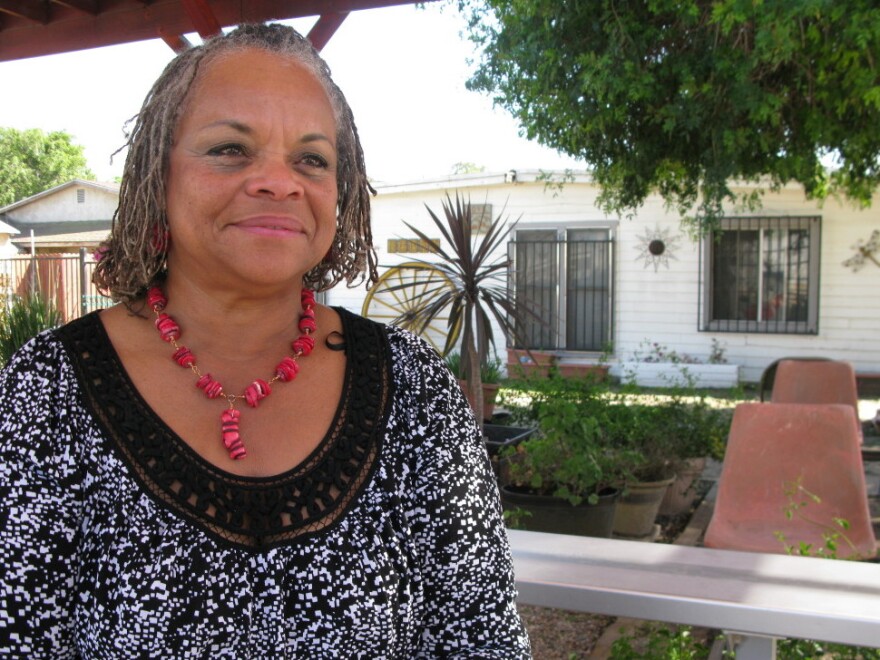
314,160
228,150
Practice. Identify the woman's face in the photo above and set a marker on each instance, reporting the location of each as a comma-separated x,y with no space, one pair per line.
251,188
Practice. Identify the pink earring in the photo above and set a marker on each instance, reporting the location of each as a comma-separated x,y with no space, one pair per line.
160,240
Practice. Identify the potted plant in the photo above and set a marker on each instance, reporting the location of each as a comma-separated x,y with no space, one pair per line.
700,433
564,475
655,365
490,377
645,431
474,292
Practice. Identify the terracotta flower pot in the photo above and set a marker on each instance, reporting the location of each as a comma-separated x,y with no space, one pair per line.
490,394
598,372
682,494
522,363
638,508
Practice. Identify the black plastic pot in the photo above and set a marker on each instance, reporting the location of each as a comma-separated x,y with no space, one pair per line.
556,515
498,436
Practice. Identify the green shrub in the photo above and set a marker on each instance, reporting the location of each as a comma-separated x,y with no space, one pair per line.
24,318
490,371
659,642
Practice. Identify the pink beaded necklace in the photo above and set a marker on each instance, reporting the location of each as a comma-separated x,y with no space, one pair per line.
286,370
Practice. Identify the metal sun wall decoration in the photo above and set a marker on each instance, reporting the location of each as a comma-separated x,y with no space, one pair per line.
657,246
864,251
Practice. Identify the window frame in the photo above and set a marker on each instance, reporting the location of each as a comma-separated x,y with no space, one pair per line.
813,224
562,287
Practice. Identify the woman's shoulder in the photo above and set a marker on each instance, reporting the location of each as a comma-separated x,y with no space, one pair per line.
36,357
37,392
407,349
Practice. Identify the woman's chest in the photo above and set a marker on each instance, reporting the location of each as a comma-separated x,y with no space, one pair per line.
152,585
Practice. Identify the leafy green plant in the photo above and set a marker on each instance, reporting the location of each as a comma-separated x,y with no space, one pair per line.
639,436
799,499
653,641
24,318
567,458
515,518
648,351
490,371
661,431
795,649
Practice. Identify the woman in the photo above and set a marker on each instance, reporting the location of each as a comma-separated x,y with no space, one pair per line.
219,467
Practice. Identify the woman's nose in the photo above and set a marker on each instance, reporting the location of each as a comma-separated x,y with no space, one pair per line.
273,176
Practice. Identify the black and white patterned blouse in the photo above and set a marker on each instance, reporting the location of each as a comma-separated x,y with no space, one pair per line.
118,541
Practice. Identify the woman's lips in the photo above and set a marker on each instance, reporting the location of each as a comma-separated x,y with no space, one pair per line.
271,226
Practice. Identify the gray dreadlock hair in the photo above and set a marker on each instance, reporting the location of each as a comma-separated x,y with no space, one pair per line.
134,254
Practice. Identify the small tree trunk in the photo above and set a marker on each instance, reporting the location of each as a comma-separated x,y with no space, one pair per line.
472,374
475,384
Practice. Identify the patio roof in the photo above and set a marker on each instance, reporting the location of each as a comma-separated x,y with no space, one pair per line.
31,28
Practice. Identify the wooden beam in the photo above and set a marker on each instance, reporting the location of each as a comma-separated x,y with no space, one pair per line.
32,11
202,17
177,42
125,22
325,28
85,6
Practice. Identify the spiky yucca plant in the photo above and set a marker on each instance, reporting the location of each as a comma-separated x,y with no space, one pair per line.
476,292
25,317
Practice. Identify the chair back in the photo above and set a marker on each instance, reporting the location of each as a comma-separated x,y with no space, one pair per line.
781,454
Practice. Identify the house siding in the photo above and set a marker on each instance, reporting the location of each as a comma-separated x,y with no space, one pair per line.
664,306
63,207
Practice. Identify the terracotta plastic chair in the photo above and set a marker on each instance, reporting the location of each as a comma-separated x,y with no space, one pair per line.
815,381
773,448
811,381
768,376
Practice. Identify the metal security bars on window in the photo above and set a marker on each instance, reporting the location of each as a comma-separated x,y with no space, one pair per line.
761,274
565,277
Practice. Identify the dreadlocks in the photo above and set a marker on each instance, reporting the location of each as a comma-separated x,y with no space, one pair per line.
134,255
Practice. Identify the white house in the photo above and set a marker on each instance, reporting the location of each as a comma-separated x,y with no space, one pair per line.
65,218
774,284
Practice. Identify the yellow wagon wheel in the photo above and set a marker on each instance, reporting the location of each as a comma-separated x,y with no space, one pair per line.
401,292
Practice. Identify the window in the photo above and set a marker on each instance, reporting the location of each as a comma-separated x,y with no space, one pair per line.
80,195
762,275
564,276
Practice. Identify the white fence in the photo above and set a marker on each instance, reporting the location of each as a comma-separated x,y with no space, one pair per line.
761,597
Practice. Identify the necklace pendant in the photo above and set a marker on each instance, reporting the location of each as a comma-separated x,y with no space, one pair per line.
259,389
231,437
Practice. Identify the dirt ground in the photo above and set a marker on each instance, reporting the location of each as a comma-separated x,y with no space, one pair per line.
562,635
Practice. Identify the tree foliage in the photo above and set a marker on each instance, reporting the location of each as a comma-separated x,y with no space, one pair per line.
684,97
32,161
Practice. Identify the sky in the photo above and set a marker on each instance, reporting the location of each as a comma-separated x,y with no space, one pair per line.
403,70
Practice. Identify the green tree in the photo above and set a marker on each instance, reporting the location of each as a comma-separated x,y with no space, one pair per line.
684,97
32,161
